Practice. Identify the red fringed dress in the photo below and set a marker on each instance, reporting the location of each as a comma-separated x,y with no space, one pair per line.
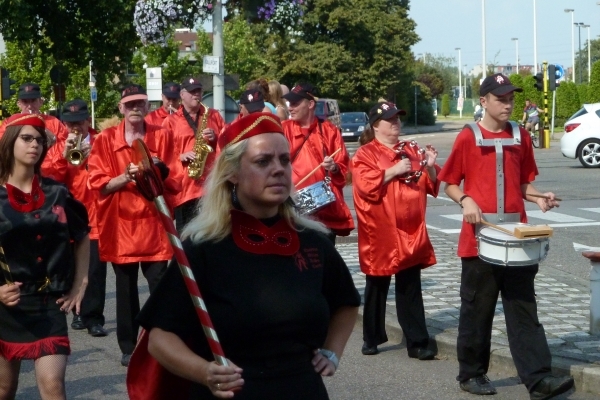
36,230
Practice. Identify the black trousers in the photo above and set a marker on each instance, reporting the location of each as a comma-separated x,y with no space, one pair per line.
481,282
409,308
184,213
128,302
92,305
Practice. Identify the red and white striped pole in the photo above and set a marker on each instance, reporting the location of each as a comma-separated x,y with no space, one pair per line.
150,186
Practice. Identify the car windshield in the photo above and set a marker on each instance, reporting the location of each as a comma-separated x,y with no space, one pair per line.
353,118
579,113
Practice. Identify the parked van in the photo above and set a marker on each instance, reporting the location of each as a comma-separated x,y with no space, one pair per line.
329,109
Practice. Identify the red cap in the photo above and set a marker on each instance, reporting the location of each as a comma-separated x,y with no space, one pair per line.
25,119
248,126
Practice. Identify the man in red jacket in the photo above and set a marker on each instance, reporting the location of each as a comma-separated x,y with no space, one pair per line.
312,141
170,104
74,174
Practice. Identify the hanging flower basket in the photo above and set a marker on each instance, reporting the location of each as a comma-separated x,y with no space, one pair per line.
153,19
282,14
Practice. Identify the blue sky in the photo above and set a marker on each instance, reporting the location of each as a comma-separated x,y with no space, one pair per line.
444,25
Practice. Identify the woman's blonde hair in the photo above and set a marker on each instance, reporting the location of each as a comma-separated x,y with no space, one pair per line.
213,221
277,94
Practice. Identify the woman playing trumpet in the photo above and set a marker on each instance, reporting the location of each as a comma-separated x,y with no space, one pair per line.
44,280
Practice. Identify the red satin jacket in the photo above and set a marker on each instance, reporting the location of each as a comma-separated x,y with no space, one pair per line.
74,177
392,235
185,137
129,226
336,216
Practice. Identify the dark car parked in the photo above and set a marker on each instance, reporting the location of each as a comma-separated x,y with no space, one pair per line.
353,125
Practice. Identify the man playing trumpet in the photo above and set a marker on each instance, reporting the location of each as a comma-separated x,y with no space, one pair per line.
68,164
170,104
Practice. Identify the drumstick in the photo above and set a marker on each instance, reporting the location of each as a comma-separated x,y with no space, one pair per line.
497,227
316,169
541,196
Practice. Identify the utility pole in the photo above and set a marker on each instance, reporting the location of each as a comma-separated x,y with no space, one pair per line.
218,79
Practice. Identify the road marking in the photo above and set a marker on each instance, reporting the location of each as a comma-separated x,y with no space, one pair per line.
595,210
456,217
450,231
556,217
441,198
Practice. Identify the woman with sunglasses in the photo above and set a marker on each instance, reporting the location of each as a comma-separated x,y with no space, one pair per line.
42,279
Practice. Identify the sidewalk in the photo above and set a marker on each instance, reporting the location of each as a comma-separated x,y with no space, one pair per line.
563,309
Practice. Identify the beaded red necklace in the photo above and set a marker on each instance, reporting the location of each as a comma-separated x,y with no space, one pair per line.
26,202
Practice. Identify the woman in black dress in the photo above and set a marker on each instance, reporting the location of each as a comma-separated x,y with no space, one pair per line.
280,296
42,278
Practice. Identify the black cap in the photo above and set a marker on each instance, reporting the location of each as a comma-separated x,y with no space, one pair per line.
384,110
75,110
253,100
301,91
171,90
191,83
133,92
29,91
498,85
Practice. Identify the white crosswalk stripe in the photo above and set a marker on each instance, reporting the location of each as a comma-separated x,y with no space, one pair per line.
550,218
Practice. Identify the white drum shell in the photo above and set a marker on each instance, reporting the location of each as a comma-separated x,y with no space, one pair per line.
313,197
500,248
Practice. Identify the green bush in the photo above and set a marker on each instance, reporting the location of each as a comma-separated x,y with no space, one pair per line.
567,100
445,105
593,95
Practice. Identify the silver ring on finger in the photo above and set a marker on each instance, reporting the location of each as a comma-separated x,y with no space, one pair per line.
218,386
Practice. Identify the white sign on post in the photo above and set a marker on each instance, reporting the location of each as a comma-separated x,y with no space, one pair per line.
154,83
211,65
459,105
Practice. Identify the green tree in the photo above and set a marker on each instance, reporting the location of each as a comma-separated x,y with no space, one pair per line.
445,105
594,88
74,31
582,91
595,56
354,50
567,100
529,92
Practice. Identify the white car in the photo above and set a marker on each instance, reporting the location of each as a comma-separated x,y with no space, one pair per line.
582,136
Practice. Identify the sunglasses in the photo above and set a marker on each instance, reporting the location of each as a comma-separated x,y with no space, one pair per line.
30,138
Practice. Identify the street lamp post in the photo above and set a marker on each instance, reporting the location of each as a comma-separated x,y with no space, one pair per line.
579,25
589,46
535,64
516,40
218,79
483,66
460,91
572,11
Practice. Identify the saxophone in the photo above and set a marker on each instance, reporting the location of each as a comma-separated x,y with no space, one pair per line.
201,148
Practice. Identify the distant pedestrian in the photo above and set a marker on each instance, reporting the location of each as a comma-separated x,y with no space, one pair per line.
276,93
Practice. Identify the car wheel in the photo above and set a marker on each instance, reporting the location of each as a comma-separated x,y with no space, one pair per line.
589,153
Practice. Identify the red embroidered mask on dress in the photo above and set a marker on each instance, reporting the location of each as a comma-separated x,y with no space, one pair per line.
251,235
26,202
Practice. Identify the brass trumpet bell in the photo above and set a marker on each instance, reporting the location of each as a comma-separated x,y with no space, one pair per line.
75,156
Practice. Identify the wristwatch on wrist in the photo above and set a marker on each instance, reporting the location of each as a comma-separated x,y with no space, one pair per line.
461,200
330,355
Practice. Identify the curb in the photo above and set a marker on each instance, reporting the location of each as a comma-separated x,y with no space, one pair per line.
587,378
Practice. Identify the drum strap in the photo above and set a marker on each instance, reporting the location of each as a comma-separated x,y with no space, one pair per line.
498,144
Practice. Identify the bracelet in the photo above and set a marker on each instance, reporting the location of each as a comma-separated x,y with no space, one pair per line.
461,200
330,355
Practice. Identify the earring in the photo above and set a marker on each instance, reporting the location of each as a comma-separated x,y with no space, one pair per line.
234,199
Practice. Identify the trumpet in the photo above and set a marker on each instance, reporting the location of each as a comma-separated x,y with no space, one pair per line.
75,156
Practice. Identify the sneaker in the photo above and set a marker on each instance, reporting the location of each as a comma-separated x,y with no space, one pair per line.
479,385
551,386
125,359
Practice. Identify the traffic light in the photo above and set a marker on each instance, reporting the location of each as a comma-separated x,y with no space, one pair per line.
553,75
539,81
7,92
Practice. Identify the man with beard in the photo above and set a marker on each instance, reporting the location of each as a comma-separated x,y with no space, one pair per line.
190,121
130,230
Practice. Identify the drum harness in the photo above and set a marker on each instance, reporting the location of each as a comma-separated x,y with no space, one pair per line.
499,216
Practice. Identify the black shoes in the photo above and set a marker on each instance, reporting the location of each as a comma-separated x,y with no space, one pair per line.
422,353
369,350
97,330
479,385
551,386
125,359
77,323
